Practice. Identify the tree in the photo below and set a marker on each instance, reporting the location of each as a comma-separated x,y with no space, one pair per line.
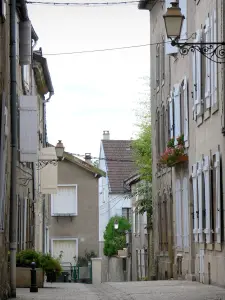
115,239
142,148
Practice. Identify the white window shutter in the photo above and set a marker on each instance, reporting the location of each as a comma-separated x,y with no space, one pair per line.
214,68
218,198
145,222
64,203
207,66
49,179
178,214
177,111
169,49
185,213
194,80
208,211
28,140
198,100
171,108
195,197
134,217
200,201
186,112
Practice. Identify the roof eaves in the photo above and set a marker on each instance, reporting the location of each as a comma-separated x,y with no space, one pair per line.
96,171
146,4
37,55
132,179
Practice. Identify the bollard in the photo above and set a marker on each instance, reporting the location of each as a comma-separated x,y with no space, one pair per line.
33,278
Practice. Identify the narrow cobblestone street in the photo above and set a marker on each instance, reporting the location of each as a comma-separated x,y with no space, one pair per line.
154,290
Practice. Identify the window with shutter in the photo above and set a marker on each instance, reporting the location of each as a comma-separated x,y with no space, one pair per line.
158,134
198,100
163,56
171,119
177,112
186,112
134,221
195,198
194,88
218,197
163,132
200,201
178,214
208,210
28,137
160,223
207,66
185,214
157,67
165,222
214,66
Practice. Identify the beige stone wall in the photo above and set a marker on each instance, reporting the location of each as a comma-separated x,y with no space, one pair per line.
203,138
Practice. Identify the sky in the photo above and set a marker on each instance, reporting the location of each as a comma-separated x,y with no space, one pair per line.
93,91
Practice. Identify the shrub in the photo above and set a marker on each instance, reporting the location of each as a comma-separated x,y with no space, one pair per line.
83,260
115,239
45,261
49,264
25,257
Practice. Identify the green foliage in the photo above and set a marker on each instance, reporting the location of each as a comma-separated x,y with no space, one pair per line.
25,257
115,239
83,260
49,264
45,261
142,149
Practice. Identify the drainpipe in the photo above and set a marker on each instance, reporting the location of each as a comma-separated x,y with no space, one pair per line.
14,147
223,35
44,144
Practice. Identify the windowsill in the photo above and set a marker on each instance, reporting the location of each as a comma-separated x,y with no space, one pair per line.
207,114
215,108
199,120
163,253
217,247
186,250
209,247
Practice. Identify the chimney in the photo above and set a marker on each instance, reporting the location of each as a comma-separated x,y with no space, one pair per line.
106,135
88,158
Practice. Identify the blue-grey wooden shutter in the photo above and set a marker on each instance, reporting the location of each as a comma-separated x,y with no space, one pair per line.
28,131
177,112
208,194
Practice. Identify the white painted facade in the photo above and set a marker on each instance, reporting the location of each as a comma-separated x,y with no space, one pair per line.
109,204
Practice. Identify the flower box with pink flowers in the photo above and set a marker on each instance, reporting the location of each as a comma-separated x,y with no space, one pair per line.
174,153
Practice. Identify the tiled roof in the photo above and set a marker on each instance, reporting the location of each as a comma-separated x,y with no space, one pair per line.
119,161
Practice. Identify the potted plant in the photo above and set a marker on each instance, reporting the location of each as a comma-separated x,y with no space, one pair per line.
23,265
174,154
51,267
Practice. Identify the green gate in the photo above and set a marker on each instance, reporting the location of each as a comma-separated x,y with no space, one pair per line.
83,274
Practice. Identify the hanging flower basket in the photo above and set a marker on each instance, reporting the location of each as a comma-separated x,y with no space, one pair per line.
174,154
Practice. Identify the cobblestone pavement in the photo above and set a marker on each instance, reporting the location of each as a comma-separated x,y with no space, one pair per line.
154,290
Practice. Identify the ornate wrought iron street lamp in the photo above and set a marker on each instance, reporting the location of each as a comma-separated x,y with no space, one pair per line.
173,19
59,149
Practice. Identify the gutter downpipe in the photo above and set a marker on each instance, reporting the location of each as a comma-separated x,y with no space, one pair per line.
223,35
14,147
44,246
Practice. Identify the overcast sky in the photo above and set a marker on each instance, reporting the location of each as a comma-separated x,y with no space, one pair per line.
93,91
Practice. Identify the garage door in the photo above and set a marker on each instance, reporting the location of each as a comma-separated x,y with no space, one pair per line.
68,248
